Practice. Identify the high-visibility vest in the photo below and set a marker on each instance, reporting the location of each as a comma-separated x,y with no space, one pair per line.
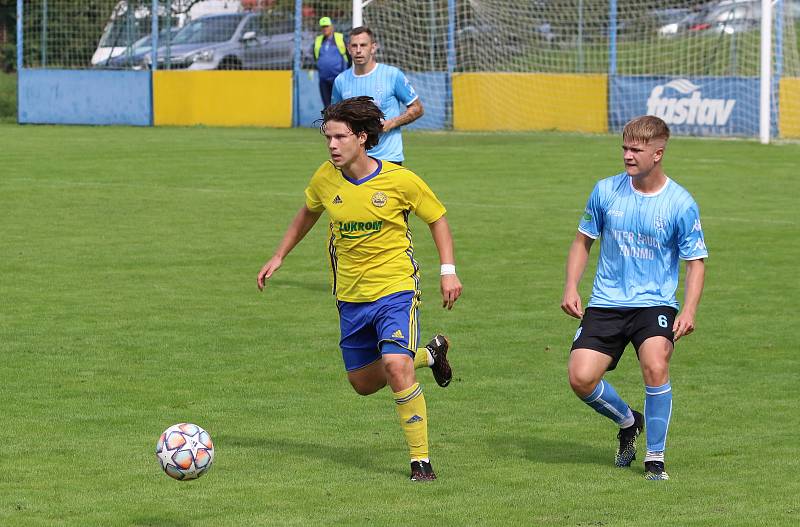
337,37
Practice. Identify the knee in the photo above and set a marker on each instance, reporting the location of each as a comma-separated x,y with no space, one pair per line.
582,384
655,374
395,371
362,388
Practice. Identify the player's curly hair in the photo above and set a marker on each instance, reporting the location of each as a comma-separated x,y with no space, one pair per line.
360,114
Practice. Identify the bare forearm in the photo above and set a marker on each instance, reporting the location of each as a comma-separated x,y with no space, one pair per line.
443,238
695,280
413,112
303,221
576,262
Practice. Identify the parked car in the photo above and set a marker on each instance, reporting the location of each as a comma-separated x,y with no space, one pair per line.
259,40
727,16
132,58
129,22
669,20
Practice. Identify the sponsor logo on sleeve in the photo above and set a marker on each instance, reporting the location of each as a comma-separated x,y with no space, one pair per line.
700,245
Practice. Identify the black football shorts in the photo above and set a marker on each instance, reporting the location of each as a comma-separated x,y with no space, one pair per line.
609,330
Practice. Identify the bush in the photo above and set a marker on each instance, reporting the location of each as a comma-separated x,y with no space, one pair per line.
8,58
8,97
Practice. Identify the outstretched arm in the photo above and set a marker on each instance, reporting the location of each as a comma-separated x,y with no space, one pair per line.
413,112
576,265
695,278
301,224
450,285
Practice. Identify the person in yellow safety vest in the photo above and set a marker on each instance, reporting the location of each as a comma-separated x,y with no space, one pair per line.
330,54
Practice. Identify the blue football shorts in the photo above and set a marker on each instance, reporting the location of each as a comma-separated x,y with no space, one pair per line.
366,325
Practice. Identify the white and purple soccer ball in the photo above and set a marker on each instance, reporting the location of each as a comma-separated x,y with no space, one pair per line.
185,451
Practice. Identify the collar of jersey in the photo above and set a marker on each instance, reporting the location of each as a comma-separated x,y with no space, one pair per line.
651,194
364,180
366,74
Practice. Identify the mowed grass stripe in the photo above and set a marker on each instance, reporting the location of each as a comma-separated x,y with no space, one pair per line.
129,259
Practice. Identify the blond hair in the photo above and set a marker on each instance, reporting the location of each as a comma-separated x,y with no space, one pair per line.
645,129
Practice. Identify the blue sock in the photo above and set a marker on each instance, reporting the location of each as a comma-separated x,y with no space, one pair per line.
657,411
606,401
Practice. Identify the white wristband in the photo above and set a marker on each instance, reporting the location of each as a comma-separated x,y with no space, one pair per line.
447,269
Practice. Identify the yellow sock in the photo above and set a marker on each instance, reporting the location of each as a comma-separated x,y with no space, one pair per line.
421,358
414,420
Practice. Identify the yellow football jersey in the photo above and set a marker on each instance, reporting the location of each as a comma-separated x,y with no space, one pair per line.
370,247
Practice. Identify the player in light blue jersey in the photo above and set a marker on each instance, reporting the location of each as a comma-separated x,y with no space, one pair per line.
646,222
387,86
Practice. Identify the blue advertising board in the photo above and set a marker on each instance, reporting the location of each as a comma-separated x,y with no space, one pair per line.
53,96
704,106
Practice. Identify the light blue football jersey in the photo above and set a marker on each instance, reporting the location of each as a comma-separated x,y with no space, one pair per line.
642,238
392,93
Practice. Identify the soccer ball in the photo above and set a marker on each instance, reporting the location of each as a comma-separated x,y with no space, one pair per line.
185,451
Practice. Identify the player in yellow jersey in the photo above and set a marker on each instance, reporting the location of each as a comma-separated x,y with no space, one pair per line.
375,275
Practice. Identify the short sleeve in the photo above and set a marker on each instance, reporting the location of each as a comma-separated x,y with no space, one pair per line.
423,201
336,94
313,190
403,90
591,223
691,241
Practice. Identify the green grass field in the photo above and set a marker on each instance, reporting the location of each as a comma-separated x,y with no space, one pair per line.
129,259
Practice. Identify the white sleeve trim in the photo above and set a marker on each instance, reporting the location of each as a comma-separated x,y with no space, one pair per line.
695,257
592,236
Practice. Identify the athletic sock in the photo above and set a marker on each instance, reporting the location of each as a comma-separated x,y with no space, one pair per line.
604,400
423,358
657,412
413,416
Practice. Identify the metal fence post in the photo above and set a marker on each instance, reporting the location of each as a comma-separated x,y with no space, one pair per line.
298,42
44,33
612,37
451,60
154,35
19,40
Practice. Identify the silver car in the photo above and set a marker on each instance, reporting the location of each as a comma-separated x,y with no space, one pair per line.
255,41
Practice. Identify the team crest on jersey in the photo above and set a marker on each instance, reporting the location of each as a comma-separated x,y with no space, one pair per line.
660,223
379,199
586,217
